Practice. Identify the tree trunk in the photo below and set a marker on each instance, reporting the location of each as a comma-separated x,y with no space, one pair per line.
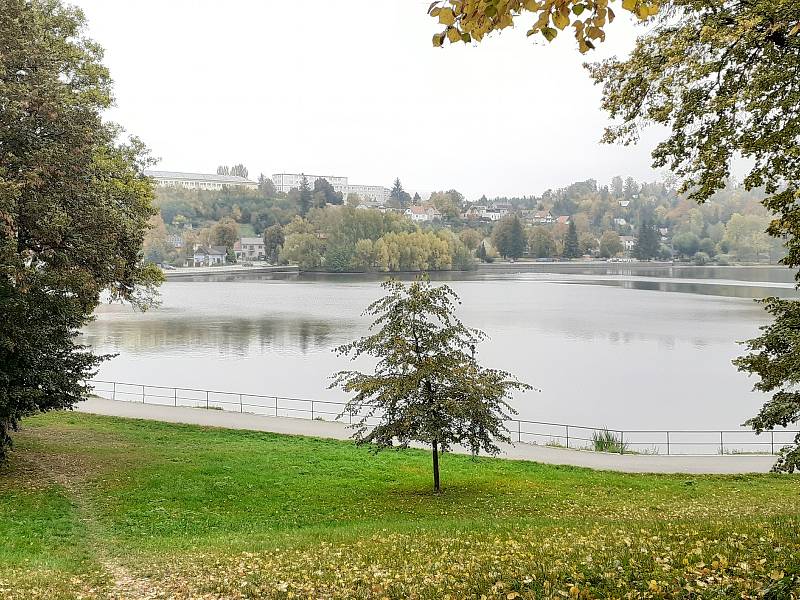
435,466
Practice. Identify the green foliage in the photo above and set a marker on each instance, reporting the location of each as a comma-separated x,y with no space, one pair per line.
273,242
686,244
427,386
74,208
399,198
572,247
338,259
774,357
471,238
481,253
647,242
325,194
303,250
225,233
449,204
508,236
610,244
541,242
306,198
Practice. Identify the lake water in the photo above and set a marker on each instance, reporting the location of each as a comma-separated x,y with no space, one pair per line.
623,346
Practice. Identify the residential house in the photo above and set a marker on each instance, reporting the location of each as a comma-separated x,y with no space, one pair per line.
175,240
624,203
628,242
422,214
619,221
542,217
208,256
473,213
563,220
250,248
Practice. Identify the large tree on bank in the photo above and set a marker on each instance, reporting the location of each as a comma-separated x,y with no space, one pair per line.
722,76
427,386
74,208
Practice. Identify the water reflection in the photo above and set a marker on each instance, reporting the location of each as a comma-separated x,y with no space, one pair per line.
174,336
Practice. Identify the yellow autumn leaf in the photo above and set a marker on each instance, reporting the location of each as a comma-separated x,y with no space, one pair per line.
629,4
447,17
453,35
560,20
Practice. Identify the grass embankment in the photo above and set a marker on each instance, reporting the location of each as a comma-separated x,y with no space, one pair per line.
98,507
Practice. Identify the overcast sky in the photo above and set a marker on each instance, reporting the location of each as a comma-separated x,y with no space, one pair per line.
355,88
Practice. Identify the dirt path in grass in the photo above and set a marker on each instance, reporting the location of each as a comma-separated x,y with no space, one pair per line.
70,471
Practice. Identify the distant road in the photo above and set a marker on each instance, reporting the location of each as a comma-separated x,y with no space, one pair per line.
628,463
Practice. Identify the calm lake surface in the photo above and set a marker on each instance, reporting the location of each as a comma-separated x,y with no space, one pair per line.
615,345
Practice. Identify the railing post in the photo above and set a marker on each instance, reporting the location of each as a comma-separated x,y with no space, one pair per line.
206,398
668,443
276,406
622,442
312,410
142,394
114,391
519,431
567,426
241,406
772,442
721,445
175,396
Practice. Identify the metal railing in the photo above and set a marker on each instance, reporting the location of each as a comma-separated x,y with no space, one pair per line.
578,437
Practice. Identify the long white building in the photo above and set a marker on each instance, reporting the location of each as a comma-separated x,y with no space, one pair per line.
372,194
199,181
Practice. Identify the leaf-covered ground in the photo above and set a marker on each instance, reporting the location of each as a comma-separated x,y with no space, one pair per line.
94,507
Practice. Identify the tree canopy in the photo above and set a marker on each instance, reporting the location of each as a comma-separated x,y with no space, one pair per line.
74,208
426,386
471,20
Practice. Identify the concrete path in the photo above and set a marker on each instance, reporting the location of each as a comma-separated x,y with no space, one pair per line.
628,463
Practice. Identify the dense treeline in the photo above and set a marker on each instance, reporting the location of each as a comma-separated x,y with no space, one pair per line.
730,226
344,238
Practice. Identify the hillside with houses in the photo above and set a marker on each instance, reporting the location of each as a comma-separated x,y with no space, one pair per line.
219,219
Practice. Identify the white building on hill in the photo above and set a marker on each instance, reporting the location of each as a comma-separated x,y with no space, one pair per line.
199,181
370,194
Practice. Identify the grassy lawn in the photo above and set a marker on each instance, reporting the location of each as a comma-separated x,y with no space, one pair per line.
189,512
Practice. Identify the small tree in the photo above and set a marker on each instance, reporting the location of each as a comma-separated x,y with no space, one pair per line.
306,197
427,386
508,236
572,248
273,241
481,253
647,242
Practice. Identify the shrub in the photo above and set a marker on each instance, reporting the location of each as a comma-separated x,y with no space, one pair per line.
607,441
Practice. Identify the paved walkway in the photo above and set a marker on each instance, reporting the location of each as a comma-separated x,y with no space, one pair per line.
629,463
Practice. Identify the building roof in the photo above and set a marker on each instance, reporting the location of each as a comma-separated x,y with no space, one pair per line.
213,250
252,240
563,219
213,178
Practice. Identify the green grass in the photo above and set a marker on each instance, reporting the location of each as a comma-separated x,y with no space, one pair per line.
235,514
